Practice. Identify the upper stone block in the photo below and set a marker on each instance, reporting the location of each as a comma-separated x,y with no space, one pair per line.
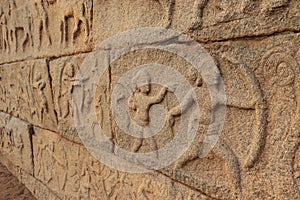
42,28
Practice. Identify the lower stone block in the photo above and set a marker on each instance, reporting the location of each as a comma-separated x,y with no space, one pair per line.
15,142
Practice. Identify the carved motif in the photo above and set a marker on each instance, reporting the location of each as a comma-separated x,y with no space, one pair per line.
4,32
281,71
15,142
222,148
140,103
27,94
36,27
41,22
72,173
80,11
19,18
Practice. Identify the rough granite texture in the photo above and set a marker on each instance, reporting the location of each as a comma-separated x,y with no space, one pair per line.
255,45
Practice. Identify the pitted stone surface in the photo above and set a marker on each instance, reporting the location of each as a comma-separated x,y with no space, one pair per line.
255,46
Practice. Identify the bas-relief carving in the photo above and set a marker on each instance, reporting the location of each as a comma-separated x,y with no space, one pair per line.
38,27
235,158
63,73
280,72
212,12
234,162
80,11
27,93
15,142
140,103
72,173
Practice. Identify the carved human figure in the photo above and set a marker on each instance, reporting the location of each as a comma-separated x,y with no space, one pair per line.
188,100
17,142
40,85
85,179
2,90
66,86
140,103
41,22
73,180
197,149
4,31
59,158
40,167
7,137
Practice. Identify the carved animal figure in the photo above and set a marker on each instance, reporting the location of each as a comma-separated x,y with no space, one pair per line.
41,21
20,18
78,10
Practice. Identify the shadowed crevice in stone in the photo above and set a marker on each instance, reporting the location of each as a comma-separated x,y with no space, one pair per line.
11,188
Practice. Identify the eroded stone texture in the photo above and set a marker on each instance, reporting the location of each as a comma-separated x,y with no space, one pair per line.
15,142
220,174
63,74
71,173
275,64
26,93
42,28
11,188
205,20
262,87
256,46
36,187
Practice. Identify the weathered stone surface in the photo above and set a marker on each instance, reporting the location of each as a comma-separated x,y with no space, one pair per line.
255,45
273,64
220,174
262,88
71,172
26,93
11,188
222,20
63,74
205,20
43,28
15,142
36,187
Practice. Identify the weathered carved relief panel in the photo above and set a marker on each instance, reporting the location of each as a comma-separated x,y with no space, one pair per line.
246,112
72,173
15,142
257,155
64,75
26,93
42,28
275,65
246,147
204,19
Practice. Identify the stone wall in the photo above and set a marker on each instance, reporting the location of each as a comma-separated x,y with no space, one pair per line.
254,44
